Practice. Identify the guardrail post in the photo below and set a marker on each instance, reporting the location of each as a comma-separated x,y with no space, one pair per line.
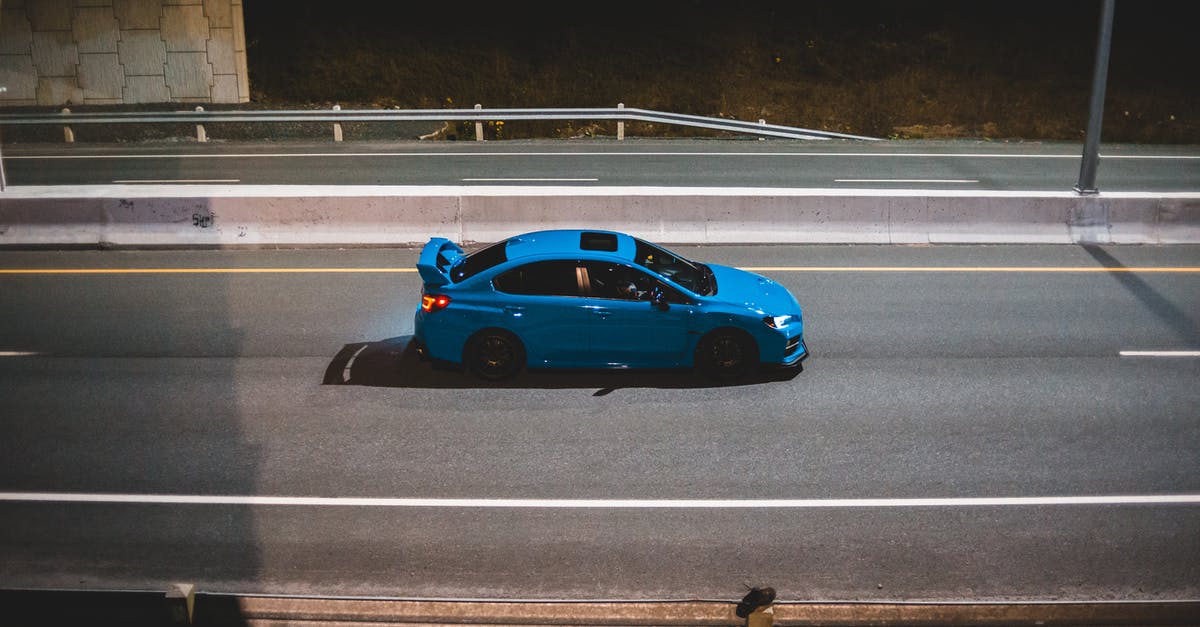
337,126
620,124
68,134
201,134
181,603
478,126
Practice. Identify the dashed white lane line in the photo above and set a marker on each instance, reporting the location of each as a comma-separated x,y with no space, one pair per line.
175,181
528,180
184,499
350,364
906,180
1160,353
18,354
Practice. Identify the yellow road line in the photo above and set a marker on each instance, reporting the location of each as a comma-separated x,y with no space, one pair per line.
912,269
202,270
1046,269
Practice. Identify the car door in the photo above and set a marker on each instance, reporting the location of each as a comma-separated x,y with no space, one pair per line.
542,302
626,327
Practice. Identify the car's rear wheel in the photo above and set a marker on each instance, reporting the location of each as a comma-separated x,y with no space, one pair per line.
494,355
727,354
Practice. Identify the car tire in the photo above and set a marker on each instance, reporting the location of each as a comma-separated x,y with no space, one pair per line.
494,355
727,354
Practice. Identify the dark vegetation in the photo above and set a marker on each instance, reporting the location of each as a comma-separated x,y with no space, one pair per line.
1010,69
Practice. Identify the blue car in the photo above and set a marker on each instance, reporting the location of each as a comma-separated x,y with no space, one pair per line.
598,299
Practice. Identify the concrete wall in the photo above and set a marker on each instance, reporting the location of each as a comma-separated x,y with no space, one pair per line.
281,215
60,52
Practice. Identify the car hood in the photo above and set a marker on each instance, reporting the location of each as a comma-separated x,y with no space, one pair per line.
753,291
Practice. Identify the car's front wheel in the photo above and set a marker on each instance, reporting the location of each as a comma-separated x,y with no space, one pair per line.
494,355
727,354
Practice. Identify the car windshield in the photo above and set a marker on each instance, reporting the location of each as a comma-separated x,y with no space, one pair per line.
479,261
696,277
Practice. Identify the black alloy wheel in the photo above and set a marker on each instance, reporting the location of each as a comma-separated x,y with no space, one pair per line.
726,355
495,355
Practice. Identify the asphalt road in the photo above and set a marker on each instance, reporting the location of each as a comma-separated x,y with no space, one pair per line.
950,380
966,165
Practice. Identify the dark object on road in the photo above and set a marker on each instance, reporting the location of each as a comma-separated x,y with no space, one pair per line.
756,599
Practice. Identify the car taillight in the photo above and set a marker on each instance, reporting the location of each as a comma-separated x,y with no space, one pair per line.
434,302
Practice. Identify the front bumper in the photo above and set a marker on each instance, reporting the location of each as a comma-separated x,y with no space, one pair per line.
793,356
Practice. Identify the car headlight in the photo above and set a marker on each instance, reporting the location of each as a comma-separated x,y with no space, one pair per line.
777,322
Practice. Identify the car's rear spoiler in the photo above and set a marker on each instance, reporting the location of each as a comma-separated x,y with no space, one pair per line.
437,257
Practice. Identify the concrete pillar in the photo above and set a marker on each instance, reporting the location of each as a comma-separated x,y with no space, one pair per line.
68,52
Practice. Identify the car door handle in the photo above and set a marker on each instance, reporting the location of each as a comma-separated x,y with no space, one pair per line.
514,310
603,313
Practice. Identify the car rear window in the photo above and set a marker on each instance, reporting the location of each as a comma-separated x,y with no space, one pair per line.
479,261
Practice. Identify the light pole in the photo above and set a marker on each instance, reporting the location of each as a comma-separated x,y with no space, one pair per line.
3,183
1091,143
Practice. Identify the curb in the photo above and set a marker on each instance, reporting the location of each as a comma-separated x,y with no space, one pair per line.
181,605
668,613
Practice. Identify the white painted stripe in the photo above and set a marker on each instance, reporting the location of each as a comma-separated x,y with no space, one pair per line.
530,180
900,155
184,499
350,363
450,191
18,354
1160,353
906,180
173,181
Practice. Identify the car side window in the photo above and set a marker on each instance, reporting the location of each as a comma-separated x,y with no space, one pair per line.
620,282
540,278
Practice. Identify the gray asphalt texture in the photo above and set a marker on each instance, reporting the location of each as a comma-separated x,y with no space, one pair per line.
922,384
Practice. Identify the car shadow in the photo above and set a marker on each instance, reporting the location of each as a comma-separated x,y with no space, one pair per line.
393,363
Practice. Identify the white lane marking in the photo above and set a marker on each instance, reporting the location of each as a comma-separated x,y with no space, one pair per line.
1160,353
350,363
906,180
171,181
529,180
185,499
450,191
18,354
902,155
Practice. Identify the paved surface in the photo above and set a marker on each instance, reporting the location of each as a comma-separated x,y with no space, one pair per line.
957,383
973,165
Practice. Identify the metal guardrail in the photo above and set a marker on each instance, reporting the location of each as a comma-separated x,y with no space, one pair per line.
479,115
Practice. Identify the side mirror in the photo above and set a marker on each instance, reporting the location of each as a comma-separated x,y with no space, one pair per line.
659,299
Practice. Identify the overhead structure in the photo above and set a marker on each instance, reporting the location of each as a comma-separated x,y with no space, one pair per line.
106,52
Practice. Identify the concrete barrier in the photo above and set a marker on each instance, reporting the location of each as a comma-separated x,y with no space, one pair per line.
152,609
287,216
